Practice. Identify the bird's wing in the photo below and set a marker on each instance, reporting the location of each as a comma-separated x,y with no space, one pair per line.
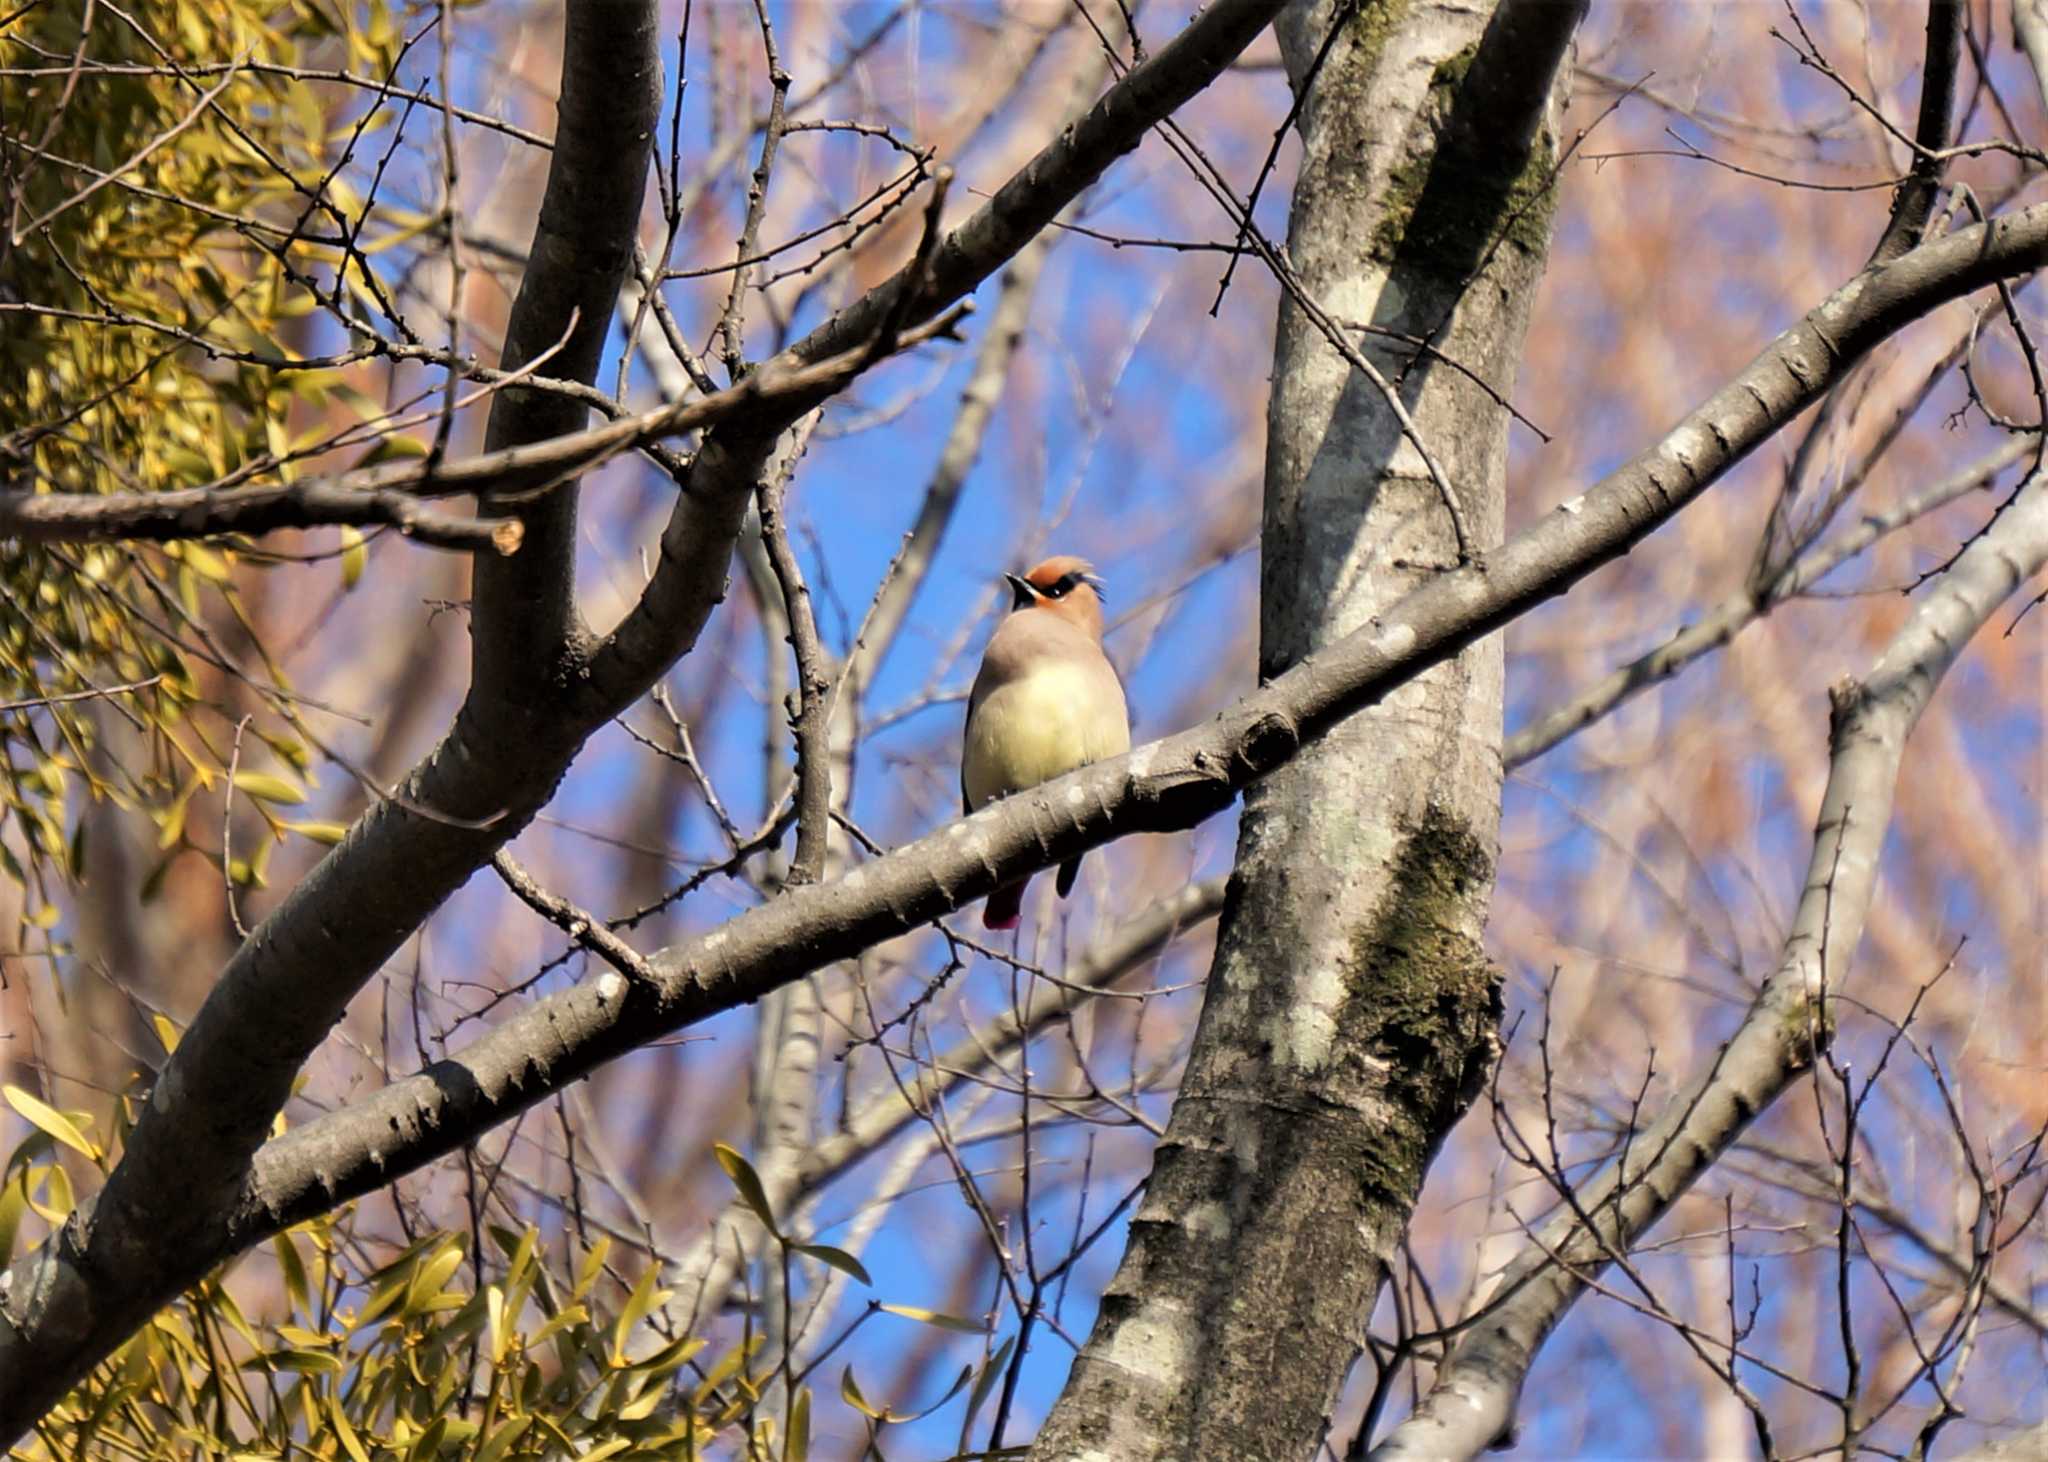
974,698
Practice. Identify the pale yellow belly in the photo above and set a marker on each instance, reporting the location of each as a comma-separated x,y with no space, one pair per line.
1034,729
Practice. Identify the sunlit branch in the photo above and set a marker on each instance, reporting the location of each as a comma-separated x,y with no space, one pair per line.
1473,1398
1169,784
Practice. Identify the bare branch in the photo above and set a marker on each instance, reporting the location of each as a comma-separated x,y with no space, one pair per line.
1915,201
813,684
1166,784
1721,624
525,616
69,1302
166,517
1473,1399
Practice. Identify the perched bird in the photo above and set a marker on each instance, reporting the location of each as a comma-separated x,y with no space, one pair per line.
1047,700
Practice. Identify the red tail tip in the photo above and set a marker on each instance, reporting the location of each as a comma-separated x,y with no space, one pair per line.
1003,907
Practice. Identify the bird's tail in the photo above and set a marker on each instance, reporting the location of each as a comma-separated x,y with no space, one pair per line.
1004,906
1069,871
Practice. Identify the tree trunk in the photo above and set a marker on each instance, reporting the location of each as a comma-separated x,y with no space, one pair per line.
1351,1011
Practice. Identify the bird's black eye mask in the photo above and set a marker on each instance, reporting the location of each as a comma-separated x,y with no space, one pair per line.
1025,592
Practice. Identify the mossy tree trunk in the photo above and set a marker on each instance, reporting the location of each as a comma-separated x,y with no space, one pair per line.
1351,1011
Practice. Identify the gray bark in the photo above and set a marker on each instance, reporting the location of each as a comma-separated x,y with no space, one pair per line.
524,606
1350,1011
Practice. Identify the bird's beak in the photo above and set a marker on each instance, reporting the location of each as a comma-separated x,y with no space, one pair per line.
1021,592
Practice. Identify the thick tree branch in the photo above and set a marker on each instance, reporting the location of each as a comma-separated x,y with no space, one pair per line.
524,619
165,517
1915,201
1168,784
1472,1402
394,492
161,1218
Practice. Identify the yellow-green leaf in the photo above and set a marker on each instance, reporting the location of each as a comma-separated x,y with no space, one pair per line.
643,1299
428,1443
294,1273
267,788
13,1203
727,1367
748,1184
62,1200
206,563
347,1433
570,1315
430,1276
670,1357
591,1267
166,1032
934,1317
392,447
849,1392
642,1406
302,1362
355,557
47,1118
502,1439
838,1259
798,1448
986,1381
494,1319
329,833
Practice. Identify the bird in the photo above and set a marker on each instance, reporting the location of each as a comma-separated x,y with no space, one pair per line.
1045,701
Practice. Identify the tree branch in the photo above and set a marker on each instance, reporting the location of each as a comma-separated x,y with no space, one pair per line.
1721,624
1472,1401
162,1216
525,619
813,680
165,517
512,477
1168,784
1915,201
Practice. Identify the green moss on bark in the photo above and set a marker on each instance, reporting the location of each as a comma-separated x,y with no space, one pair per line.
1425,999
1445,208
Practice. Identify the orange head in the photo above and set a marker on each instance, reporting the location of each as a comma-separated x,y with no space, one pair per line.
1065,586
